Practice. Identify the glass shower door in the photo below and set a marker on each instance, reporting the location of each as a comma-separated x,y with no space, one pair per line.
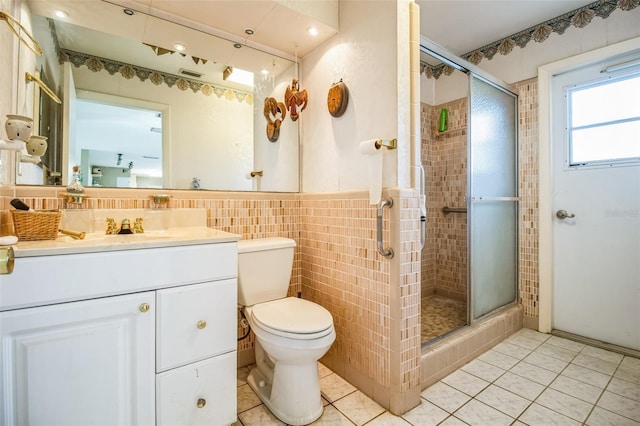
492,197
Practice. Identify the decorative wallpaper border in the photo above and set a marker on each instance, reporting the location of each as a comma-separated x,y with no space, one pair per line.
579,18
128,71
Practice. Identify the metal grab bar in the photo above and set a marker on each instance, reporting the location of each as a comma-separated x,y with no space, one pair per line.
388,252
446,210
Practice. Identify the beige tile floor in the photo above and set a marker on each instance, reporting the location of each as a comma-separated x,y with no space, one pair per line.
529,379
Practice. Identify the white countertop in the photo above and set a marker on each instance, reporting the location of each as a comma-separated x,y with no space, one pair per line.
98,242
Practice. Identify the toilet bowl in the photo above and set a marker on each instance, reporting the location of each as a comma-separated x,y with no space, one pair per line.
286,374
292,334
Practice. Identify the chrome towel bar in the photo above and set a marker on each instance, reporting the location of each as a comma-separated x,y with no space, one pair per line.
386,252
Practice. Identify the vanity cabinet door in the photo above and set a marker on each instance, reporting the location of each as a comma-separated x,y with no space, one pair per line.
202,393
81,363
195,322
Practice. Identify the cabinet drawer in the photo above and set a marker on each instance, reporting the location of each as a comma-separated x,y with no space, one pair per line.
195,322
202,393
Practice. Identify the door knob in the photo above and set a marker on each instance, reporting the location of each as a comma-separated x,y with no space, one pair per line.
562,214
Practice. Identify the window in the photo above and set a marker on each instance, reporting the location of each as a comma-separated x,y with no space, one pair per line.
604,122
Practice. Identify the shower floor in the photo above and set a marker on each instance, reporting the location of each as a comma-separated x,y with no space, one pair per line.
441,315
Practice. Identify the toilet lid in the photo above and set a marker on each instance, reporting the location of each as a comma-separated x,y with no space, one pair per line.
293,315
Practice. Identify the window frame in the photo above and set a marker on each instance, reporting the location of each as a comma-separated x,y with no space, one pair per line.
609,162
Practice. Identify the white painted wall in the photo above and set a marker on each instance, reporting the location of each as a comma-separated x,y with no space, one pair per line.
365,56
522,64
279,161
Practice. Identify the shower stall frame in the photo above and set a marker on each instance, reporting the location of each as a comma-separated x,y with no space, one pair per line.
473,72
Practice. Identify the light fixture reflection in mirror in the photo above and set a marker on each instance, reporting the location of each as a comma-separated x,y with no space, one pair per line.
212,128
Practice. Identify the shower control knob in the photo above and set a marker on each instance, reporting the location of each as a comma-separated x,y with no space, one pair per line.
562,214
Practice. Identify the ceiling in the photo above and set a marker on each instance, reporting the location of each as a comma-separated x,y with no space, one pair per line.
279,24
462,26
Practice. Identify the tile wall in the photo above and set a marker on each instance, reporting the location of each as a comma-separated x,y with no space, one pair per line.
444,158
528,135
375,301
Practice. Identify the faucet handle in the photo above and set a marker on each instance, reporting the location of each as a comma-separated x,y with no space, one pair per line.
137,226
112,229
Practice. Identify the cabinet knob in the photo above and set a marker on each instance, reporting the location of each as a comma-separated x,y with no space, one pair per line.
202,324
201,402
144,307
6,260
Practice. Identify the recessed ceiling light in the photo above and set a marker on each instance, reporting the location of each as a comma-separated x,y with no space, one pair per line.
237,45
179,47
313,31
249,31
61,14
128,11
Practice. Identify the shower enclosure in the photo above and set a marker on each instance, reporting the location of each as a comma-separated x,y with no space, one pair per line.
469,155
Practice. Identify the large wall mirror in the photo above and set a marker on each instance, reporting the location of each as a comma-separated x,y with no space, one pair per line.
139,112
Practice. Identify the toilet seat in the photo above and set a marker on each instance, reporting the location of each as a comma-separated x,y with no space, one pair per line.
293,318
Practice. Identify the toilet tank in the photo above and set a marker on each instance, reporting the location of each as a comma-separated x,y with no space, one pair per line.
264,269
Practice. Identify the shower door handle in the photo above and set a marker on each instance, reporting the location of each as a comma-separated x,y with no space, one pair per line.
562,214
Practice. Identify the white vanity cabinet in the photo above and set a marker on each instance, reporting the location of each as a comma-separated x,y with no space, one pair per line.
121,337
80,363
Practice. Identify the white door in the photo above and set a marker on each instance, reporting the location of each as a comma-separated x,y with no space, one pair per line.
81,363
596,202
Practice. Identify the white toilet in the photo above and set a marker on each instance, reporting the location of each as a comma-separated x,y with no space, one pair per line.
292,334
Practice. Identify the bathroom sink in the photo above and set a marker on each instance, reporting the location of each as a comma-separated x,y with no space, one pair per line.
95,242
162,228
94,239
126,238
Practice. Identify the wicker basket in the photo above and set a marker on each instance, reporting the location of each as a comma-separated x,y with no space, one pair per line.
36,225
